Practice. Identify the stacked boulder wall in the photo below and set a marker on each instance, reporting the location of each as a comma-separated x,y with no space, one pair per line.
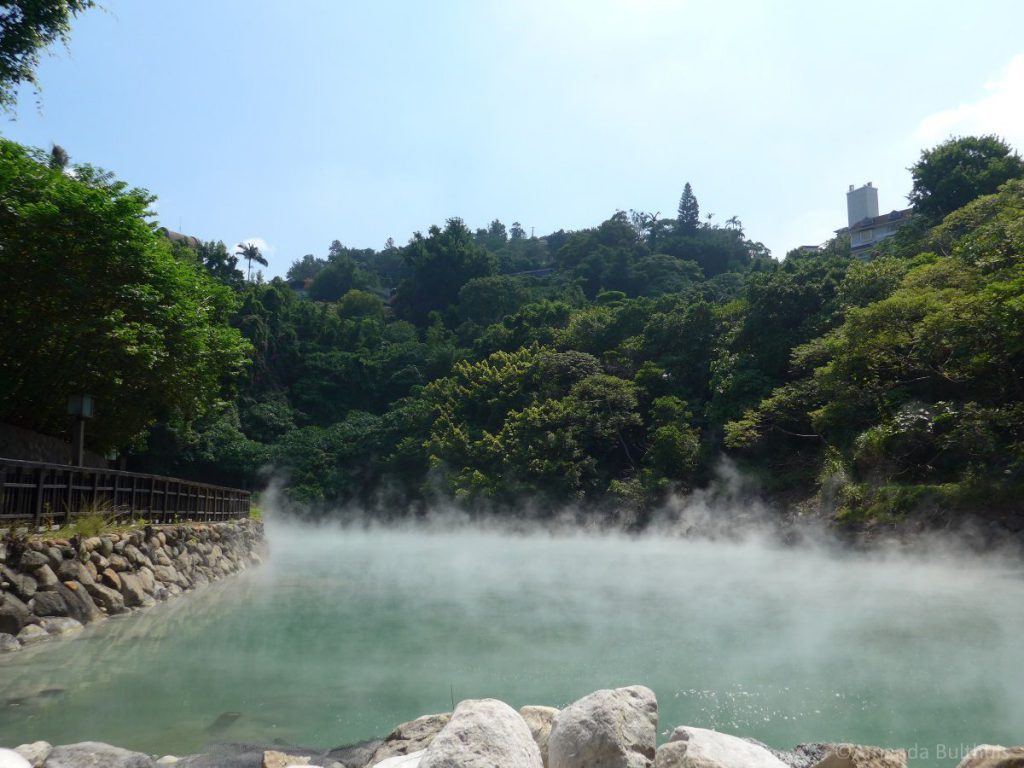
91,578
690,747
607,729
483,733
988,756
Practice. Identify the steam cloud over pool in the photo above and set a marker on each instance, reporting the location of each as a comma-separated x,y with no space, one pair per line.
345,633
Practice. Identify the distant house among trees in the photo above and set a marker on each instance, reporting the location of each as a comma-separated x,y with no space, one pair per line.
178,237
865,226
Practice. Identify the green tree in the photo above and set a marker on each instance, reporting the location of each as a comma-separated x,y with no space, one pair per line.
306,268
954,173
102,306
250,252
441,264
26,28
689,212
219,263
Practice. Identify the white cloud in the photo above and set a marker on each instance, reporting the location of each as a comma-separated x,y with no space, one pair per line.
265,248
1000,111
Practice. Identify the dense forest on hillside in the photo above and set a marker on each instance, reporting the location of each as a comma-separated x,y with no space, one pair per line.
606,367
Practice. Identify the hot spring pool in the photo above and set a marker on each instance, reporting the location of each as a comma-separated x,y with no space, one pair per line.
345,633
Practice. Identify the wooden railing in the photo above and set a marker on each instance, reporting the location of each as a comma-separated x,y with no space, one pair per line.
37,494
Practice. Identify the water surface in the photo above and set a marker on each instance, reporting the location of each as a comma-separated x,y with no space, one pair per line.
344,634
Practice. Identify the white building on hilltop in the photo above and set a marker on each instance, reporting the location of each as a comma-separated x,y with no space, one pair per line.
864,226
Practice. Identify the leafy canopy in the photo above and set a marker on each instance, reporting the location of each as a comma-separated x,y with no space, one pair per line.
102,305
26,28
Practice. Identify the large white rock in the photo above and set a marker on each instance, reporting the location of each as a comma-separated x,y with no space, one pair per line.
539,720
95,754
412,760
700,748
414,736
11,759
607,729
483,733
989,756
36,752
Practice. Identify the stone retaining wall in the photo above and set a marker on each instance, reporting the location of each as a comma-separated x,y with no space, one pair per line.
52,587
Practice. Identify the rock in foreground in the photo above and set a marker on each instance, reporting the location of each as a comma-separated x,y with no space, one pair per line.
988,756
607,729
690,747
94,754
483,733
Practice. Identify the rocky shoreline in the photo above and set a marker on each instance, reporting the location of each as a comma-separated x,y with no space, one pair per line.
605,729
53,587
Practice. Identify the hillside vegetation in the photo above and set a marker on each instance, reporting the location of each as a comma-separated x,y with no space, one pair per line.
607,367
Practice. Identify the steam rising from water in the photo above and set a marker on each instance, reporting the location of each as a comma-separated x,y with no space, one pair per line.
348,631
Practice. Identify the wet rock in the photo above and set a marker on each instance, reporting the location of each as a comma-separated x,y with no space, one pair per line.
31,634
14,614
223,721
483,733
99,561
132,591
94,754
414,736
36,752
31,559
23,585
166,574
989,756
855,756
147,579
11,759
108,599
801,756
8,643
700,748
358,754
135,555
60,625
48,604
539,720
110,578
73,570
80,605
45,578
607,729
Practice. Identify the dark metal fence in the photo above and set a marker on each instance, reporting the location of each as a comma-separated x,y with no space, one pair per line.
45,494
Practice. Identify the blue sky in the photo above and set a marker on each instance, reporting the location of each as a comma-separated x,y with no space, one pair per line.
298,123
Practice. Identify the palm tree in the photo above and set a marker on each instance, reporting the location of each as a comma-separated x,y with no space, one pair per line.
250,252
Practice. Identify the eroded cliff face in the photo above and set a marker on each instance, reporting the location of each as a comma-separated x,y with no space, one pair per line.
51,587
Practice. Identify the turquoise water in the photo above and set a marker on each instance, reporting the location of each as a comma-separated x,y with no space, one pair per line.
343,634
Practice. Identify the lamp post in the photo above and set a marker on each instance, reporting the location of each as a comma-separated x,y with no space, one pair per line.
79,406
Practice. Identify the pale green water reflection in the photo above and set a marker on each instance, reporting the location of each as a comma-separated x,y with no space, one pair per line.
344,634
